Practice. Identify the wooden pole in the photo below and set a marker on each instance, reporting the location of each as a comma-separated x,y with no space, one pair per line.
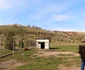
0,48
13,45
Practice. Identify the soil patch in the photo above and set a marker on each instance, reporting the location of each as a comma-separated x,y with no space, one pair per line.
56,54
11,64
62,67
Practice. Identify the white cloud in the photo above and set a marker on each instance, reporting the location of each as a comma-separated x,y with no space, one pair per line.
52,8
7,4
48,9
61,17
3,4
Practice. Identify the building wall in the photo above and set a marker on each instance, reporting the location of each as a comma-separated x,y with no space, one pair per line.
46,45
46,41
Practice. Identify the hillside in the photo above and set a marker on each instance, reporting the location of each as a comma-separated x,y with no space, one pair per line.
69,37
36,32
20,28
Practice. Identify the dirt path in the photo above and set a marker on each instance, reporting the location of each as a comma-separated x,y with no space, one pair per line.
60,54
8,65
56,54
62,67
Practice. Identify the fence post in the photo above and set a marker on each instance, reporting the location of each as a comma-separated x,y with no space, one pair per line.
0,49
13,45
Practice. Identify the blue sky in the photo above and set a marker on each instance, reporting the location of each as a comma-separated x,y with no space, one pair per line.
67,15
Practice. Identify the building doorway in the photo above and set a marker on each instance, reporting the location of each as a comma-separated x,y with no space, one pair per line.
42,45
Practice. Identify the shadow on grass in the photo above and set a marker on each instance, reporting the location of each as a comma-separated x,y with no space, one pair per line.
54,48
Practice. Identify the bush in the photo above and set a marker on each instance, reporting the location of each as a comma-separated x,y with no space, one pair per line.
9,41
26,49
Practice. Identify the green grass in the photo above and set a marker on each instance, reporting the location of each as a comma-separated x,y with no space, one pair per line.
5,51
19,55
70,48
49,63
40,63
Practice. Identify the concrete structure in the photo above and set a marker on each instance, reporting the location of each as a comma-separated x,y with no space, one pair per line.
42,43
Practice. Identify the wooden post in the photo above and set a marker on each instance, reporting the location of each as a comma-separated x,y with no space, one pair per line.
0,49
13,45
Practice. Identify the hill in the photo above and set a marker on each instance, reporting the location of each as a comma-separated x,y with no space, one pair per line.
36,32
69,37
20,28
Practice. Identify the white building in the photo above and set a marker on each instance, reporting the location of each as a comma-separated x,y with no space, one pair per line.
42,43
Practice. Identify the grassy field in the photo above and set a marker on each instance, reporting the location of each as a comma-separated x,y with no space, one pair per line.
33,62
65,47
5,51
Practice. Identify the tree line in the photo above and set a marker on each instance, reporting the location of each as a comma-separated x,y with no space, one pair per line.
11,41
